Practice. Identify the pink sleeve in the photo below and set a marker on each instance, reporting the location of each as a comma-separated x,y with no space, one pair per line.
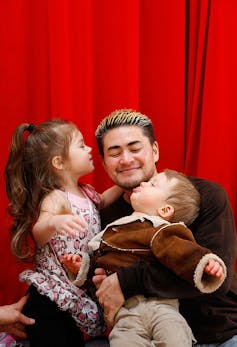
91,193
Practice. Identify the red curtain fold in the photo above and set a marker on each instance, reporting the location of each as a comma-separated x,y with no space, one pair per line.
162,83
197,20
80,60
211,91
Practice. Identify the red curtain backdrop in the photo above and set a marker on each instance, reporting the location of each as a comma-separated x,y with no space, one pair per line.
211,109
81,59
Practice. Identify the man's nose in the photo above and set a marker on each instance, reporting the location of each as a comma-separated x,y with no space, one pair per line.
126,157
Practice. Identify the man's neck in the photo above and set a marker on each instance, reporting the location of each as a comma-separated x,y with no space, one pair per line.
126,196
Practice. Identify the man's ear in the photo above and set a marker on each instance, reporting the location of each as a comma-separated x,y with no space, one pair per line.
166,211
155,148
57,162
103,163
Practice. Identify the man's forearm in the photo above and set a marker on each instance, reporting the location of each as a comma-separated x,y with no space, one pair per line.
153,280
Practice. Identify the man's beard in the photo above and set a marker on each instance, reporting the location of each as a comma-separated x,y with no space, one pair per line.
132,185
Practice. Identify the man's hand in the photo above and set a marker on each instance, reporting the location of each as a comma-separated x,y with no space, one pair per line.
109,294
12,320
100,275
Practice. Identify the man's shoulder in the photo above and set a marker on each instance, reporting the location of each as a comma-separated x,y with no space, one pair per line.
208,188
116,210
214,200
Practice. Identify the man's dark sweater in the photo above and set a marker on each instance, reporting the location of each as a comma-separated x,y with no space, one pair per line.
212,317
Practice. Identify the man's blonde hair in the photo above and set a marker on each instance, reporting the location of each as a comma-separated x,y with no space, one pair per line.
124,117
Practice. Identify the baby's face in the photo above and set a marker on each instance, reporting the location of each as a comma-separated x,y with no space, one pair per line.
152,195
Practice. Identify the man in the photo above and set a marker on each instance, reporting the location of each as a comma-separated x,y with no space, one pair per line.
129,152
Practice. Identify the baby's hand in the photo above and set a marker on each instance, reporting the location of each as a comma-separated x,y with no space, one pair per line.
67,224
214,268
72,262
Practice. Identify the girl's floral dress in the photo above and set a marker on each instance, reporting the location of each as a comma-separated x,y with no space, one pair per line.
52,279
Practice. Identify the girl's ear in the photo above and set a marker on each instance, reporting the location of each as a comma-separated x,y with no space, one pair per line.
166,211
57,162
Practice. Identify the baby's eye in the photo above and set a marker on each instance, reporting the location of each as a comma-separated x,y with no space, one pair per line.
152,184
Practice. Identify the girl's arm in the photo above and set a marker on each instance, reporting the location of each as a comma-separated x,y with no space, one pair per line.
55,217
110,195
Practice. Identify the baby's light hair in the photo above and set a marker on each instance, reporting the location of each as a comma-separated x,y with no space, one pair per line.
184,197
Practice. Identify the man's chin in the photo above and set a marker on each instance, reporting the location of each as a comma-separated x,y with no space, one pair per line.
128,186
130,181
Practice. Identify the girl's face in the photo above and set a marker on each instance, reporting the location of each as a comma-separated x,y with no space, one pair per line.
151,196
80,160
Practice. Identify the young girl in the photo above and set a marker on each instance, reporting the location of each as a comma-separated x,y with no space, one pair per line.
47,202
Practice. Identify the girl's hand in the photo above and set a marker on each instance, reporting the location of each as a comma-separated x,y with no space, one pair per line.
68,224
72,262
